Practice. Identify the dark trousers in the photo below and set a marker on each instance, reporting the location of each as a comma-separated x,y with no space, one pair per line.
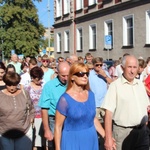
51,145
138,139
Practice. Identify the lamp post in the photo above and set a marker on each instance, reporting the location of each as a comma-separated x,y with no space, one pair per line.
48,8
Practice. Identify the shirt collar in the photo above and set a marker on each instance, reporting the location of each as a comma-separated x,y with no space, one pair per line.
124,80
59,82
93,72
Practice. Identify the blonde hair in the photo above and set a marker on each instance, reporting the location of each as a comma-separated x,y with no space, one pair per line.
45,57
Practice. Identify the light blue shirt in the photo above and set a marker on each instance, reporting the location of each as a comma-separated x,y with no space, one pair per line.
51,93
47,75
98,86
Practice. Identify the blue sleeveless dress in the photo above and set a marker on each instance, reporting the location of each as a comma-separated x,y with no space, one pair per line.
78,132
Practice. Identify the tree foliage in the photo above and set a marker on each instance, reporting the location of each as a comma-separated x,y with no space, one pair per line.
20,29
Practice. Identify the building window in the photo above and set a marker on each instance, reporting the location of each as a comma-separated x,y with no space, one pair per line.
108,30
66,41
92,37
148,27
66,6
128,31
79,4
92,2
79,39
58,8
117,1
58,42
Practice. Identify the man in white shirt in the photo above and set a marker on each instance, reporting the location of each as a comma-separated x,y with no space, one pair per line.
25,78
126,103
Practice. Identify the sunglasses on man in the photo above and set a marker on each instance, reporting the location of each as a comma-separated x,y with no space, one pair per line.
45,61
98,65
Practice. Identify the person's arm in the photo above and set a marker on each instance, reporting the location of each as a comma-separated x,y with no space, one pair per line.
99,127
59,121
107,78
47,132
109,142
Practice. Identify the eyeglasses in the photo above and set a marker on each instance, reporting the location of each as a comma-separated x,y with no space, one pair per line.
45,61
81,74
98,65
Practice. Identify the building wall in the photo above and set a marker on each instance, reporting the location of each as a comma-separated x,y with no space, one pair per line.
110,11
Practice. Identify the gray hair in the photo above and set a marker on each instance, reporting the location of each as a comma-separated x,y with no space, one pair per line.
123,61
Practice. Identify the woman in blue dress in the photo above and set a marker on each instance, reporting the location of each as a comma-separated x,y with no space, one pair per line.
76,126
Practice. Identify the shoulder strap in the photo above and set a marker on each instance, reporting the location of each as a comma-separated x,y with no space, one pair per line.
24,93
27,104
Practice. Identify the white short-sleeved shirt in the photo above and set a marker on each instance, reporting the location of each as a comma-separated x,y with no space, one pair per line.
118,71
128,102
25,79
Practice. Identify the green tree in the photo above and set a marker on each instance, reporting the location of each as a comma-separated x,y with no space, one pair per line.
20,29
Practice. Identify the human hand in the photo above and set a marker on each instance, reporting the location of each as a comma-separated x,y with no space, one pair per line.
102,72
110,144
114,144
48,135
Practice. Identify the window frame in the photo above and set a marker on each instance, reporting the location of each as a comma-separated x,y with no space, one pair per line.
78,7
92,2
66,5
79,39
59,42
126,42
58,8
148,27
106,30
92,43
66,41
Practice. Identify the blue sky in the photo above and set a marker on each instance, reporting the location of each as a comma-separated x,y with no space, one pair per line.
43,12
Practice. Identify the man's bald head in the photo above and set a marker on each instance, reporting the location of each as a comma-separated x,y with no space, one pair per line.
63,71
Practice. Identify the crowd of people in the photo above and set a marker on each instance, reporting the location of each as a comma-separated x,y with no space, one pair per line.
69,103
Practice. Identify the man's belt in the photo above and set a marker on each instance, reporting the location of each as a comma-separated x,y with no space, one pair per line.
132,127
52,117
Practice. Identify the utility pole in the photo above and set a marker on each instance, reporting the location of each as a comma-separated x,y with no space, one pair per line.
48,8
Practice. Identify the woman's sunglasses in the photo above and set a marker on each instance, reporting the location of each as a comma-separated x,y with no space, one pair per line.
81,74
